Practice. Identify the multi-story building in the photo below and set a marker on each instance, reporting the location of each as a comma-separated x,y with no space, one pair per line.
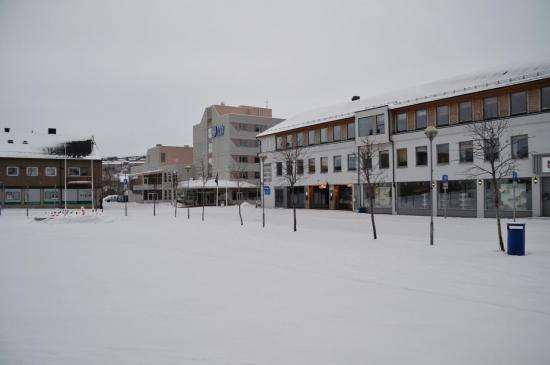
37,169
153,180
395,124
116,170
225,143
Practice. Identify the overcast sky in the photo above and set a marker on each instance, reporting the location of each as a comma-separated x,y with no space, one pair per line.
136,73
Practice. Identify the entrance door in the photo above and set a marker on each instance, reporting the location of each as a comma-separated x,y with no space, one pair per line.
152,196
546,196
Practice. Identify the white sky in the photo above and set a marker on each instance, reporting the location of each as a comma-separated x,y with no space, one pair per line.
136,73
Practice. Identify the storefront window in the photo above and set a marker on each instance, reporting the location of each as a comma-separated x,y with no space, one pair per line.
506,188
382,195
461,194
414,195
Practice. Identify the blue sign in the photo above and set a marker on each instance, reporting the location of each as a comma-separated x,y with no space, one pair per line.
267,190
218,130
514,176
445,178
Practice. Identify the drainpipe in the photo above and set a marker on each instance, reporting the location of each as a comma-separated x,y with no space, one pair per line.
394,192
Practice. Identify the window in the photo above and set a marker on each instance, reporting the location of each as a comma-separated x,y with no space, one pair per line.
12,171
491,148
351,131
324,164
402,157
367,126
279,169
337,161
466,151
545,98
490,108
256,159
243,159
311,165
442,116
257,174
300,139
518,103
380,125
401,122
289,165
352,162
324,135
421,119
51,171
74,171
421,156
300,167
280,143
336,133
32,171
163,157
289,141
243,174
384,159
520,147
311,137
442,153
465,112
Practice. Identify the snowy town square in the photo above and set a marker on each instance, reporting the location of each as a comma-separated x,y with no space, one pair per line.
144,289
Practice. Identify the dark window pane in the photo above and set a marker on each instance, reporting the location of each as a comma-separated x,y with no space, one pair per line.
421,119
491,149
466,151
518,103
384,160
465,111
300,167
279,168
421,156
337,160
442,115
520,146
352,162
545,98
351,131
380,125
367,126
324,164
311,165
443,153
490,107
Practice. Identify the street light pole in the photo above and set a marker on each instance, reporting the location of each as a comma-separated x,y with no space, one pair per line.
263,157
431,132
187,169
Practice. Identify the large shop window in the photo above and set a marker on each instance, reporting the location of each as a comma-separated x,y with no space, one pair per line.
382,195
506,188
414,195
461,194
279,197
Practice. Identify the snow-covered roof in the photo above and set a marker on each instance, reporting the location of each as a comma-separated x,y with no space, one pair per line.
14,144
456,86
195,184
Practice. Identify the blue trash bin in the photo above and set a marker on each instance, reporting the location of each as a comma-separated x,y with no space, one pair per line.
516,239
362,210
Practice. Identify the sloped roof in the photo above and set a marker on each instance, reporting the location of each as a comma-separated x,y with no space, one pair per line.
456,86
14,144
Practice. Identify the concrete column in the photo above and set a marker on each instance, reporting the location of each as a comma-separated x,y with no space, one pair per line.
480,199
536,198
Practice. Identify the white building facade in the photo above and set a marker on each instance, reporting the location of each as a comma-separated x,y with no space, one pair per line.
395,124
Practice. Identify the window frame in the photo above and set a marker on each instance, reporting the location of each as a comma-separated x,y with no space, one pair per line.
387,154
460,151
309,165
471,116
300,167
334,139
69,171
50,175
542,107
325,129
334,165
514,155
448,153
526,103
399,165
416,118
278,168
12,167
28,168
485,107
311,141
354,155
321,165
437,115
397,130
416,155
351,135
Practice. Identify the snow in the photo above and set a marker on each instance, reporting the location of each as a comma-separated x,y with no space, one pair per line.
165,290
456,86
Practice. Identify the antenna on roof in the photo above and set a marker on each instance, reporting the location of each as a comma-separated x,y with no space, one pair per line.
266,102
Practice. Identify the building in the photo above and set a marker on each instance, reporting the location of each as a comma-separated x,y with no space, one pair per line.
153,180
47,170
225,142
116,170
395,123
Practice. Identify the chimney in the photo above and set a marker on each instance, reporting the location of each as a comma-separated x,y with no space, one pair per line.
52,131
355,97
7,130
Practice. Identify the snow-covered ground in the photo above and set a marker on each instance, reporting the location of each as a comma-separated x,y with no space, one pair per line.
164,290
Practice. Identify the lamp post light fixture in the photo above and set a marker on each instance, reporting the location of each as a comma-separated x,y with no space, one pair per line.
431,133
187,169
263,158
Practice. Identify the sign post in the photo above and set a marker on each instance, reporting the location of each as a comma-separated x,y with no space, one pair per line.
514,184
126,196
445,180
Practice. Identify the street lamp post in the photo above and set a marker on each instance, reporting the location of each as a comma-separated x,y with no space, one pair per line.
263,158
431,133
187,169
174,191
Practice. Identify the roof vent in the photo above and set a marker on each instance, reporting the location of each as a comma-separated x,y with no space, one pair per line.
7,130
52,131
10,140
159,144
25,142
355,97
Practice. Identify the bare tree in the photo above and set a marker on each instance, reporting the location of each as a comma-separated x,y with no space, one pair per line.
238,168
492,157
371,173
292,159
204,175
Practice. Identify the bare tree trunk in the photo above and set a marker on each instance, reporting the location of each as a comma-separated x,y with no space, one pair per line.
238,195
497,212
370,189
203,203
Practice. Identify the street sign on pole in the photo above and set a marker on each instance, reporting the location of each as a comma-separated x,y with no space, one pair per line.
267,190
514,183
514,176
445,180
